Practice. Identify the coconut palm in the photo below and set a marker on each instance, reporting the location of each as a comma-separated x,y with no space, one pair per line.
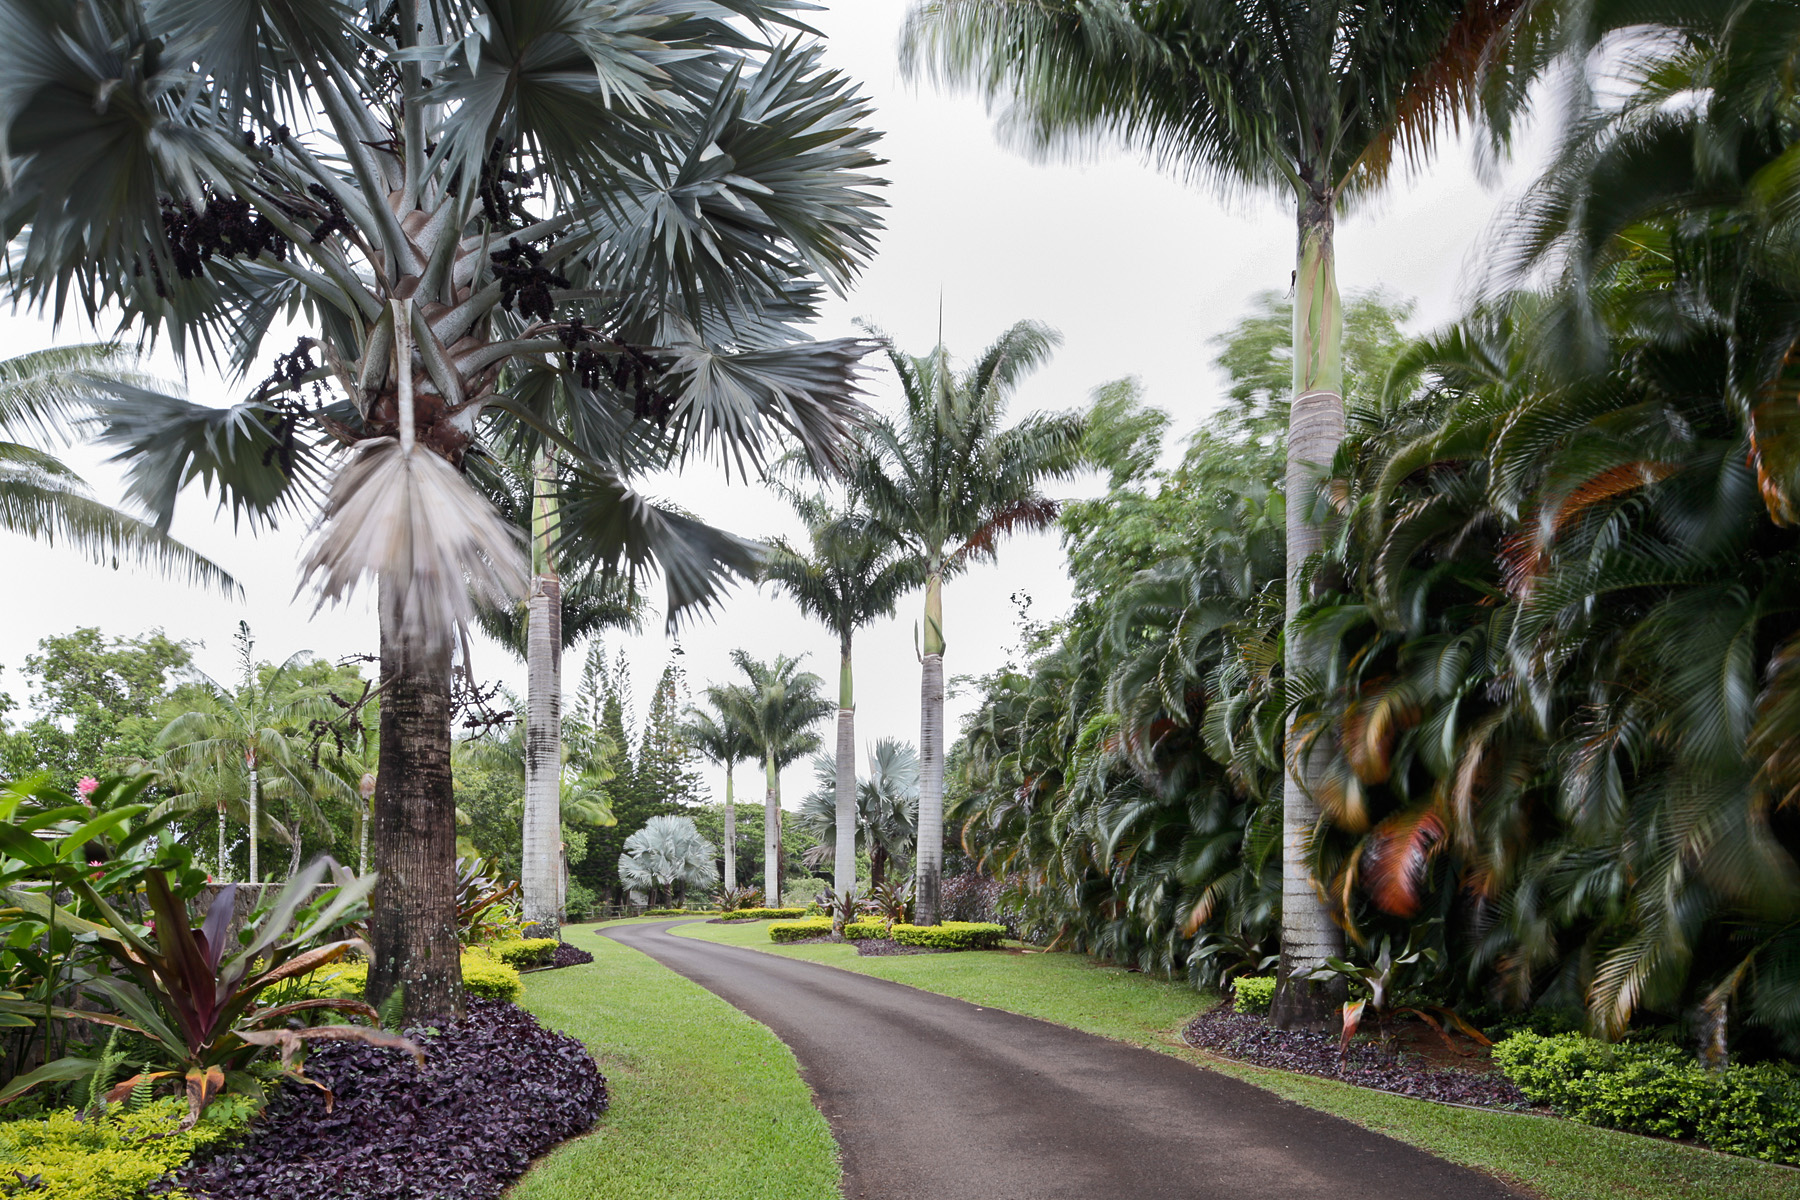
44,393
887,811
542,222
667,857
718,734
853,574
946,481
1314,102
777,706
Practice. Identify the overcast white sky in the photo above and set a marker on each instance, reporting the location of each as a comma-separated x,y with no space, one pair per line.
1138,272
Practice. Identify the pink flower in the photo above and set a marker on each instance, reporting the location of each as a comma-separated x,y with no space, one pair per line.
87,787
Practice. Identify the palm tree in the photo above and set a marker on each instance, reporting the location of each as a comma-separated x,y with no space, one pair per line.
887,811
667,856
720,737
778,706
946,482
41,498
555,619
853,575
1311,101
253,737
474,208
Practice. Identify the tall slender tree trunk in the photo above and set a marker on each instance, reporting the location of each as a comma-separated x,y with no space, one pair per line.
542,867
255,815
878,861
294,851
843,870
412,921
219,863
929,861
1315,428
730,833
771,834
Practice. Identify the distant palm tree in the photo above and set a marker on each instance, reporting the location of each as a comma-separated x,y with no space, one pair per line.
778,705
667,857
946,481
887,811
1312,101
719,736
852,574
43,393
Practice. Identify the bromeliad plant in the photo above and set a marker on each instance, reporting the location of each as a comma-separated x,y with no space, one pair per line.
890,902
1387,979
844,906
191,995
733,898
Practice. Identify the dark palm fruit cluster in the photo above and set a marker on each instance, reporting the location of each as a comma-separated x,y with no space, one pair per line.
525,282
497,1090
335,221
281,401
226,228
631,371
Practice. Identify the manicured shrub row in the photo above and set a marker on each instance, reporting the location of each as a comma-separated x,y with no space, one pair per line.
1253,993
952,935
796,931
570,956
1751,1110
522,954
765,914
857,931
681,912
497,1089
67,1156
483,977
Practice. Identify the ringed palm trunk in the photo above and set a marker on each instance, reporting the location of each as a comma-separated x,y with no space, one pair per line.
412,920
843,873
730,833
255,816
771,833
219,863
1315,428
929,862
542,867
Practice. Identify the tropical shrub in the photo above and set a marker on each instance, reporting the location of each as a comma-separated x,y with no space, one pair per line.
858,930
680,912
765,914
482,976
524,953
1657,1088
794,931
1253,993
496,1090
68,1155
951,935
486,908
738,897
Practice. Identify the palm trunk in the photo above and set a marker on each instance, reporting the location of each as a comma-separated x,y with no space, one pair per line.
730,833
294,851
878,861
541,871
929,860
843,872
1315,428
362,847
255,816
412,922
219,863
771,834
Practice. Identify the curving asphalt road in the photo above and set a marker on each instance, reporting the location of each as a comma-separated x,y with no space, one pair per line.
932,1098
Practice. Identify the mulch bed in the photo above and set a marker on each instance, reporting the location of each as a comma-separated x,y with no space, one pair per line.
1246,1038
497,1090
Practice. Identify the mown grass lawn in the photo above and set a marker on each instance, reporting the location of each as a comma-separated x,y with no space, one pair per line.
706,1103
1559,1160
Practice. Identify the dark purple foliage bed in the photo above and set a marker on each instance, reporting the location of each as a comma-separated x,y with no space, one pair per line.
569,956
1247,1038
496,1091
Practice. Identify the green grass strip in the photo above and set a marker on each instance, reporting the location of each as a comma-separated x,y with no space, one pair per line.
705,1101
1559,1160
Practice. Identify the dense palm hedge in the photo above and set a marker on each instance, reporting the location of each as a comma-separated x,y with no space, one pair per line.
1557,725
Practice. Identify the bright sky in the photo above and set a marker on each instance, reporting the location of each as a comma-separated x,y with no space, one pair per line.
1138,271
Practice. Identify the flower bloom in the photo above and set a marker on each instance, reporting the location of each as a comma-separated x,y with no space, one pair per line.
88,786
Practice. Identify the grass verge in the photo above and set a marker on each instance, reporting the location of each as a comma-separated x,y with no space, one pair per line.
1558,1160
705,1101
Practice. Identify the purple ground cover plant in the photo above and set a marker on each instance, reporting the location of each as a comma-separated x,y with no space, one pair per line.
569,956
497,1090
1246,1038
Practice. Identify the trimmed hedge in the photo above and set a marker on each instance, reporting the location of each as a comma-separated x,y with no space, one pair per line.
794,931
1660,1089
1253,993
483,976
952,935
681,912
859,930
522,954
68,1157
765,914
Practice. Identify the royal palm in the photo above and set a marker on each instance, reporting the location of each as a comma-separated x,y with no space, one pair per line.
778,704
716,731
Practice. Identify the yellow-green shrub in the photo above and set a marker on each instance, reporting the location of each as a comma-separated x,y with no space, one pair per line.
116,1158
794,931
765,914
952,935
522,954
1253,993
482,976
857,930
